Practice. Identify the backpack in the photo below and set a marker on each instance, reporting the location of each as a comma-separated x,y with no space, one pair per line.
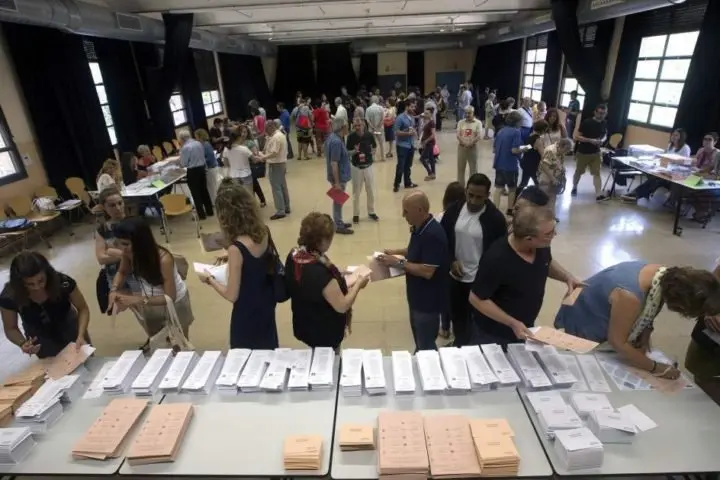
388,120
303,121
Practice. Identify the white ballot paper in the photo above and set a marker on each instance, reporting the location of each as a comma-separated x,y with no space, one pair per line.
254,370
572,366
578,449
638,418
121,375
549,399
300,370
555,367
531,373
611,427
177,373
219,272
431,374
552,419
507,377
351,375
15,444
373,372
593,373
95,390
321,369
481,375
584,403
152,373
403,376
204,374
277,372
234,363
456,373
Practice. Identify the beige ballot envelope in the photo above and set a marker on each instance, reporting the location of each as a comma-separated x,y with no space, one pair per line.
353,273
380,271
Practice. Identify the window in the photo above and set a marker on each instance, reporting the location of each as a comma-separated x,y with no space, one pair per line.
570,84
177,107
660,77
534,68
103,98
211,101
11,167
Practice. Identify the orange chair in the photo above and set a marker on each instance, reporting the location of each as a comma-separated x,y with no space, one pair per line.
168,147
176,143
175,205
157,153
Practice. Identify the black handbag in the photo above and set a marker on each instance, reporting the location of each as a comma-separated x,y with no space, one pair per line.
102,289
280,288
259,170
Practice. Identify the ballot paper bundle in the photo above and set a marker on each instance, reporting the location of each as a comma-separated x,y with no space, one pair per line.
540,400
68,360
481,375
14,396
506,375
203,375
277,372
95,390
15,444
354,437
149,378
496,452
179,370
106,436
6,415
303,452
351,375
578,449
531,373
585,403
300,370
161,434
32,375
234,362
120,377
455,370
554,367
321,369
373,372
556,418
252,374
432,378
450,447
401,449
611,427
72,385
403,376
41,411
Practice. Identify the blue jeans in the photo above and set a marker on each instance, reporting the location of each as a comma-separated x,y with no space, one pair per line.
337,211
428,159
648,187
404,163
425,328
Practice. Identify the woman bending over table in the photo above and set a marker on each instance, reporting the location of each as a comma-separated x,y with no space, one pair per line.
619,305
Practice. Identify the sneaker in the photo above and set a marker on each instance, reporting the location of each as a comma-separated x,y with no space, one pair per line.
347,225
287,212
396,189
412,185
373,217
344,231
602,198
429,178
356,219
629,198
277,216
574,192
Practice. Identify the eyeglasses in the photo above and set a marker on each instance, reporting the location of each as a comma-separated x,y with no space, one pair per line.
708,139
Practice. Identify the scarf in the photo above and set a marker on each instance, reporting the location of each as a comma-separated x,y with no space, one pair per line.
302,256
652,306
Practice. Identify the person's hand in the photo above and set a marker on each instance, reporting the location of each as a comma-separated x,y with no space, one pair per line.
669,372
129,300
204,276
363,281
573,283
337,186
388,260
713,323
79,342
456,269
521,331
112,301
29,346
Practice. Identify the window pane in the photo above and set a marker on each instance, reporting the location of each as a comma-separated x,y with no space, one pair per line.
209,110
179,117
536,95
206,98
675,69
215,96
2,140
581,99
638,112
176,102
530,56
669,92
111,134
541,55
526,93
529,68
565,100
569,84
643,91
537,82
527,82
107,115
95,72
102,95
652,46
681,44
580,90
647,69
217,106
7,166
663,116
540,69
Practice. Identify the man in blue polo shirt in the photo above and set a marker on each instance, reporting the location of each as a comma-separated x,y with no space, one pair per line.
426,265
338,170
404,136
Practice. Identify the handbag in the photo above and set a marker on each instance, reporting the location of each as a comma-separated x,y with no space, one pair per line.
280,288
258,169
171,332
102,290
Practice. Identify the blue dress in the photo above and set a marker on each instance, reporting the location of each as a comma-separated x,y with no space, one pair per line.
252,324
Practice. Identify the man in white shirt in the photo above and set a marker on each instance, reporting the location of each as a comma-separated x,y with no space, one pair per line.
374,115
468,135
527,117
341,111
275,155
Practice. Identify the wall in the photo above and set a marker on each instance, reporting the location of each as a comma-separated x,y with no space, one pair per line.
392,63
635,135
458,60
20,125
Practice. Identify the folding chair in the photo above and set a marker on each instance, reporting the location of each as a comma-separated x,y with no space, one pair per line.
157,153
176,143
23,233
168,148
175,205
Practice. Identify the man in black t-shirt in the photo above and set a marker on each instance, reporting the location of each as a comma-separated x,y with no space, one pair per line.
510,283
360,145
590,137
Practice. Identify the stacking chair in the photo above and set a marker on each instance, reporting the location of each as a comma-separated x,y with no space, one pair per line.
168,148
21,206
157,153
21,234
46,191
176,143
175,205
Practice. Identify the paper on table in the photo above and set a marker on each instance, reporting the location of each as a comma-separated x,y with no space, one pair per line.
95,390
401,443
219,272
450,447
30,375
105,436
68,360
499,427
638,418
563,340
14,396
593,373
161,434
356,437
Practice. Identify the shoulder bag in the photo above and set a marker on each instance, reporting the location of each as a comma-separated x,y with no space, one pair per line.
277,272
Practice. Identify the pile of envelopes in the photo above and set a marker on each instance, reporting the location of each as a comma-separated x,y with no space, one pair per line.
161,434
450,447
107,435
356,437
402,454
495,447
303,452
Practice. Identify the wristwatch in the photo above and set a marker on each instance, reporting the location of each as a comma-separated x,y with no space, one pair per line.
401,264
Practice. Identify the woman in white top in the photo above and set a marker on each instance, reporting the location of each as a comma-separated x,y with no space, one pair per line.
151,273
238,157
677,143
556,129
110,174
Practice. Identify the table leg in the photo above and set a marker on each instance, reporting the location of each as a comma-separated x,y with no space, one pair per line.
613,174
678,230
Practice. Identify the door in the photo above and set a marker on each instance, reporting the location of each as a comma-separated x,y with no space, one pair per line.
453,81
388,83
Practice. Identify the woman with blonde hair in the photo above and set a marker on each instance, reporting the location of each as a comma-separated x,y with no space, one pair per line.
110,174
252,262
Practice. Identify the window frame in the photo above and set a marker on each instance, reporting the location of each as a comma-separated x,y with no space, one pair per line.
657,80
11,148
106,104
183,109
564,91
528,91
212,103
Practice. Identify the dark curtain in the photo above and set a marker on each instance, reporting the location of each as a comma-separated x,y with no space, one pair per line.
295,72
125,94
368,74
622,84
416,70
498,66
260,85
699,113
553,67
60,96
243,79
190,88
334,69
148,64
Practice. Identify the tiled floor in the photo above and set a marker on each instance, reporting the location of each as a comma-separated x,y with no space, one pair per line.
590,238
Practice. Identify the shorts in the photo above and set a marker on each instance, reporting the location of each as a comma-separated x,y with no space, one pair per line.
389,134
304,135
583,161
506,178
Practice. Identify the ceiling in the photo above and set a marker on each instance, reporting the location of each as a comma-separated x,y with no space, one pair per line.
313,21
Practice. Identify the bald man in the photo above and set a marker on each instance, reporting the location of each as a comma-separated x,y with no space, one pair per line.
426,265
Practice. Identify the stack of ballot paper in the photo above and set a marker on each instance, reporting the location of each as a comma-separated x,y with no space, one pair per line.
303,452
584,403
71,386
33,375
551,399
611,427
321,369
202,378
14,396
482,377
120,377
562,340
95,390
234,362
554,418
531,373
43,409
300,370
106,436
178,371
356,437
373,372
403,376
456,373
6,415
351,375
490,427
450,447
277,371
554,367
15,444
578,449
507,377
251,376
432,379
161,434
69,358
148,380
495,448
401,448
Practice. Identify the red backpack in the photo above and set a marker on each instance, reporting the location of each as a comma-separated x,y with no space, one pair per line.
303,121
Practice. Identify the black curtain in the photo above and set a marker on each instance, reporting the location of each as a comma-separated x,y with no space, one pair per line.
553,71
192,94
334,69
699,108
149,68
53,70
622,83
416,70
294,72
368,74
125,94
498,66
243,78
260,85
